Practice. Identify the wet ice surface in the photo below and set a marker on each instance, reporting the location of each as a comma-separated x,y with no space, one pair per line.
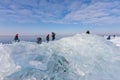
80,57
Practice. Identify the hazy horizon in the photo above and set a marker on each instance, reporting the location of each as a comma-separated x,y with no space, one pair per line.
59,34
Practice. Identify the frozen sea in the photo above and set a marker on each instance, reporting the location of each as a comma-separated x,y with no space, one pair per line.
77,57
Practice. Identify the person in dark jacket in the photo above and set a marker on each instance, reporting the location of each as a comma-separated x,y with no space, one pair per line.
47,38
109,37
87,32
39,40
16,38
114,36
53,36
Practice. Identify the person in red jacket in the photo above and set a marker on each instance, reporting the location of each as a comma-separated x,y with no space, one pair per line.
16,38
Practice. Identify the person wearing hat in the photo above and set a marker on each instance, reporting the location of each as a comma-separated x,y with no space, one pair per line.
16,39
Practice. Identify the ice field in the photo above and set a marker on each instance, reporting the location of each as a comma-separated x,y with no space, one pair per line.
79,57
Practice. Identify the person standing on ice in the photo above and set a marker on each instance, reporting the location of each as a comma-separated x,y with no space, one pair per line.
39,40
109,37
16,38
87,32
53,36
114,36
47,38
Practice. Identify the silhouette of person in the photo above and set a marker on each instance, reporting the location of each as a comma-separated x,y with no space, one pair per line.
114,36
109,37
47,38
39,40
87,32
16,38
53,36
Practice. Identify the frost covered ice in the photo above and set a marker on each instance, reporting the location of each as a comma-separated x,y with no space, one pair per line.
116,41
7,65
80,57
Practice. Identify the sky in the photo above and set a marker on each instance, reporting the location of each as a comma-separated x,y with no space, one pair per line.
32,17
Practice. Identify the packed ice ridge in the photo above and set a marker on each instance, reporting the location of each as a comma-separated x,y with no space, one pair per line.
80,57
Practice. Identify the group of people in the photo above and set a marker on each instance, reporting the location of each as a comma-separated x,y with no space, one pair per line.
39,39
109,37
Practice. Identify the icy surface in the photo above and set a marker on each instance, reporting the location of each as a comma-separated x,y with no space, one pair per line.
80,57
116,41
7,65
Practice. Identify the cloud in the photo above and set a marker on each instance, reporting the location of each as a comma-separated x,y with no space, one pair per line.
61,11
96,12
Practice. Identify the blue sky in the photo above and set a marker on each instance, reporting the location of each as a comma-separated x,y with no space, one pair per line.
31,17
